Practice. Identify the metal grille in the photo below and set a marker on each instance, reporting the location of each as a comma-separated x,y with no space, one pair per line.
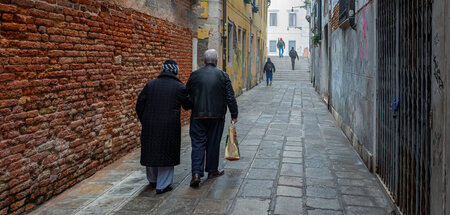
387,162
404,98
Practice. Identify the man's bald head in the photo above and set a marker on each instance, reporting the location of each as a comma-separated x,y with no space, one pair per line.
211,57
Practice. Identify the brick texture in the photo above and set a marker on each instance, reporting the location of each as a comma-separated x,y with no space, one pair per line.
335,18
70,73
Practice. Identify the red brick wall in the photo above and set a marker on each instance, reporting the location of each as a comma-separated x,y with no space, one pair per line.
335,18
70,73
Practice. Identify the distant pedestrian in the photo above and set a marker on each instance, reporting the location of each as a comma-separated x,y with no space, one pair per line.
211,92
158,108
280,46
293,54
269,69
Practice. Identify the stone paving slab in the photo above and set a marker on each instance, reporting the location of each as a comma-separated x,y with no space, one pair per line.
294,160
288,205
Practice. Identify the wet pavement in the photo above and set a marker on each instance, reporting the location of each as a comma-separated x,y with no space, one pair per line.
295,160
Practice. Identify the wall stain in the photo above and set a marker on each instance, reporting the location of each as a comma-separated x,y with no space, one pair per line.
437,74
237,66
364,59
436,40
437,150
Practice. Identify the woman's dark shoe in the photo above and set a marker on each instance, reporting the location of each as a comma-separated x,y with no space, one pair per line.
195,181
167,189
152,184
216,174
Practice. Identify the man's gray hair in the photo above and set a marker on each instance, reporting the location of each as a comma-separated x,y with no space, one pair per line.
211,56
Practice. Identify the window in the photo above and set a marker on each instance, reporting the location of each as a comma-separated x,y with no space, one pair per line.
239,35
273,19
292,44
346,12
292,19
235,38
273,46
343,10
255,7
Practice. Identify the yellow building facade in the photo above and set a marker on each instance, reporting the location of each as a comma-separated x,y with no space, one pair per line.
245,36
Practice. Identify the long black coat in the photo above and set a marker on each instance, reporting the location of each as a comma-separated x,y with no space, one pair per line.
158,108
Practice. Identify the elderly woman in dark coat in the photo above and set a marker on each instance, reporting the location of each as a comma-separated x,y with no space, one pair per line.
158,108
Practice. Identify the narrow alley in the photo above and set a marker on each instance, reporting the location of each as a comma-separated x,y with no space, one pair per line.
360,125
295,160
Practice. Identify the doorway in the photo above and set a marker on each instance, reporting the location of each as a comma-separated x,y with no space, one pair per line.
292,44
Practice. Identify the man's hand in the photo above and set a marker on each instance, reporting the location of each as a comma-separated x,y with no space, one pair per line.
234,121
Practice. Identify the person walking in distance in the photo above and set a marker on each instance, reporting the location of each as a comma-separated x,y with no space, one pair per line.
211,93
293,54
280,46
158,109
269,69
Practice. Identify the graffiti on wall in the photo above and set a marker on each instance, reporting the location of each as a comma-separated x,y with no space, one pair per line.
363,47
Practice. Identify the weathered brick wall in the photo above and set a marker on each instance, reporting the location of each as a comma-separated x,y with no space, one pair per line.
70,73
335,18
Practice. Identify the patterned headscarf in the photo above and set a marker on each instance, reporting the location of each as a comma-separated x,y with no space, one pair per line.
170,66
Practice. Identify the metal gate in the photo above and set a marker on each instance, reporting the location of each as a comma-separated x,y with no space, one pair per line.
404,98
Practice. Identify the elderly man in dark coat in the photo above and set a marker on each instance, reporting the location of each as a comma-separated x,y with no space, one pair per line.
158,108
211,93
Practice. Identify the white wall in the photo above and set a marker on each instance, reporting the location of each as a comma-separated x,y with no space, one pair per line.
283,8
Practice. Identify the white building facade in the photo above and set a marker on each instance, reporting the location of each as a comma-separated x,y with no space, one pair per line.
286,19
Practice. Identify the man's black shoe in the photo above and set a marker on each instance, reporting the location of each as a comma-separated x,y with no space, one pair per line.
216,174
167,189
195,181
152,185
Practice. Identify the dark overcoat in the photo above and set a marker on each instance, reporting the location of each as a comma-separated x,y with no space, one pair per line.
158,108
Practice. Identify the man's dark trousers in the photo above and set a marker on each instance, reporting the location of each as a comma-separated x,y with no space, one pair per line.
293,63
205,139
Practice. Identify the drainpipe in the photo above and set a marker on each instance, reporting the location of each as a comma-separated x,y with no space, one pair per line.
251,51
224,36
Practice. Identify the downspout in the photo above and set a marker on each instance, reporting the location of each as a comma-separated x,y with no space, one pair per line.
224,36
249,73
